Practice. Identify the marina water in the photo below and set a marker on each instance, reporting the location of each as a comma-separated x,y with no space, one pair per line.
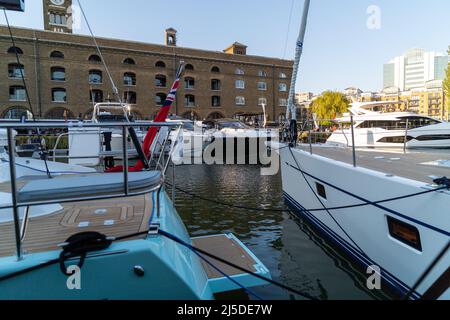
293,252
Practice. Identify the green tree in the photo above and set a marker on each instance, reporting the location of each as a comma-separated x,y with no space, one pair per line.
446,86
329,105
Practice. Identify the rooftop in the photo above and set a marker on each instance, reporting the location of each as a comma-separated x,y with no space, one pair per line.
27,34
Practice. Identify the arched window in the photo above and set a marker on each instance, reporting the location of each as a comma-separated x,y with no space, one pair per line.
16,113
160,81
189,83
16,71
215,116
262,73
160,64
58,114
95,58
239,71
130,97
129,61
17,93
215,69
240,101
160,98
129,79
95,77
171,40
189,67
96,96
215,101
59,95
283,75
189,100
282,87
14,50
59,19
216,85
57,55
58,74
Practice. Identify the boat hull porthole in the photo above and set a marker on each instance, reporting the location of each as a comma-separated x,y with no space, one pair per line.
404,233
321,191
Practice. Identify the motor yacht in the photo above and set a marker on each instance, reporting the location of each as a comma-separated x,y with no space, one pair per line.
379,129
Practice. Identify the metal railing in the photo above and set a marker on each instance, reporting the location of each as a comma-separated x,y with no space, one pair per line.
348,131
159,161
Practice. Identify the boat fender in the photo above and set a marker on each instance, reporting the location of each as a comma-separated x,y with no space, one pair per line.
79,245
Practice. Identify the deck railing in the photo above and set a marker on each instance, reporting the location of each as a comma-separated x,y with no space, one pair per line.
311,133
159,161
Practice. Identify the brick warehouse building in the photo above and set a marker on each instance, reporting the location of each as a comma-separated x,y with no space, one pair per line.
64,75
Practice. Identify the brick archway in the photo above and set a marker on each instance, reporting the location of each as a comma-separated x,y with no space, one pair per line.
215,115
191,115
59,113
15,113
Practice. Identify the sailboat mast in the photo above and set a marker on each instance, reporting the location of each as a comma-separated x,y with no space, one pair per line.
291,109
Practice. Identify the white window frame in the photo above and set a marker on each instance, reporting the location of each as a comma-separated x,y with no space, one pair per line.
262,73
264,87
282,85
283,102
238,84
262,101
18,97
240,101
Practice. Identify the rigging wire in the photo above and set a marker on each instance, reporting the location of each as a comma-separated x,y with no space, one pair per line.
288,29
212,265
19,63
21,68
214,257
113,84
323,205
428,271
225,204
95,244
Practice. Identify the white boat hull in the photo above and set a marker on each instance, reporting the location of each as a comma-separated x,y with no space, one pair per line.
26,167
367,227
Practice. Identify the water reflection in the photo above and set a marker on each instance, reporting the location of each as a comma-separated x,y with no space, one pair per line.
291,250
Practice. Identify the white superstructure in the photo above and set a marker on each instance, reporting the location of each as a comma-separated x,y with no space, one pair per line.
90,142
377,129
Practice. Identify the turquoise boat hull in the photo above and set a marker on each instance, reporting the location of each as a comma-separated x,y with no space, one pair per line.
169,271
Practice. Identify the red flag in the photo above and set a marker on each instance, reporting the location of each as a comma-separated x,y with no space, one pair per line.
153,131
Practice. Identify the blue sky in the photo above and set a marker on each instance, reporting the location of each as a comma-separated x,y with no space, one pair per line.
340,50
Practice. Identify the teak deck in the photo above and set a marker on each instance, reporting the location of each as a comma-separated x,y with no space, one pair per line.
113,217
410,165
227,249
